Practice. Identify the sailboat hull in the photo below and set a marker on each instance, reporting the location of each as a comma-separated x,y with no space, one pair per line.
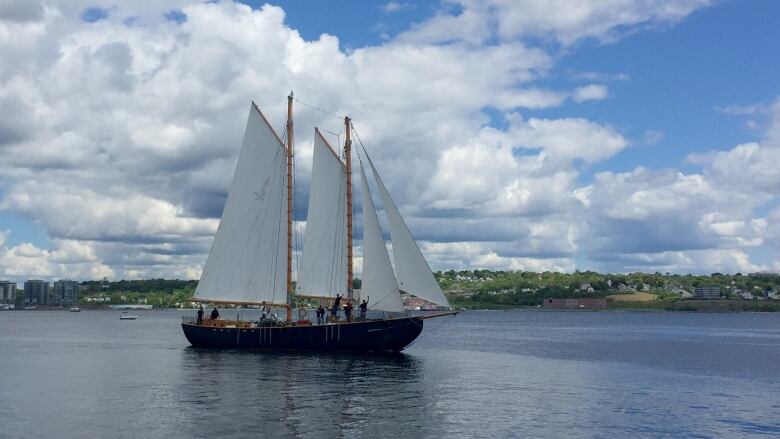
370,336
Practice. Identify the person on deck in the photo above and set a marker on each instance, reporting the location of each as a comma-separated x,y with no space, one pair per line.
200,314
335,311
266,312
214,314
320,315
364,308
348,311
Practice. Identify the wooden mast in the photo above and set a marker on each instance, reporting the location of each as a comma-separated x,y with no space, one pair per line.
348,164
289,204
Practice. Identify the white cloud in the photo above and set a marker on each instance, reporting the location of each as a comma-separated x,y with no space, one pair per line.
488,176
21,10
67,259
74,212
695,261
530,98
126,154
743,110
135,128
476,255
575,20
392,7
651,137
591,92
601,76
673,221
647,211
566,21
470,26
567,139
750,165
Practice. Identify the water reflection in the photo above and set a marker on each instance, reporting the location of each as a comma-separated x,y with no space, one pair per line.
304,394
489,374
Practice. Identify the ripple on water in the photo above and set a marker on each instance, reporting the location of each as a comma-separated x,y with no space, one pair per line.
488,374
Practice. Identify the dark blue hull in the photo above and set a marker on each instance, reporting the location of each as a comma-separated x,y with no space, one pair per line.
369,336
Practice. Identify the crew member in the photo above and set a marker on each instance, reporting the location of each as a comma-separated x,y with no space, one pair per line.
266,312
320,315
200,314
214,314
364,308
348,311
334,312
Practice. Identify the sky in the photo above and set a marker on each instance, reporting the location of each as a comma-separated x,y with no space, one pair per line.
609,135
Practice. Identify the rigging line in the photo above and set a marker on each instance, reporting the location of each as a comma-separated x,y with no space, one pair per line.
319,109
343,242
334,260
278,223
296,231
363,229
338,135
352,125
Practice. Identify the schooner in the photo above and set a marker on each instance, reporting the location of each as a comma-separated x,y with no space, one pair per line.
250,261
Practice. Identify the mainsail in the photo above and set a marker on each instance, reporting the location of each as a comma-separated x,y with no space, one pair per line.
411,269
323,271
378,280
247,259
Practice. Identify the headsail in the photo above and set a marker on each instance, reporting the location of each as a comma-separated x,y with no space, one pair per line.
378,281
323,271
411,269
246,262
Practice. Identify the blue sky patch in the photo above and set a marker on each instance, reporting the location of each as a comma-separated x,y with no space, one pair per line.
22,230
93,14
176,15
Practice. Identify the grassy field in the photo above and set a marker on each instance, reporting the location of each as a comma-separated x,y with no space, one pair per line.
633,297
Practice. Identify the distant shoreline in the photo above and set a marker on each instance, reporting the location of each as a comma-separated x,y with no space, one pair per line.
698,306
708,306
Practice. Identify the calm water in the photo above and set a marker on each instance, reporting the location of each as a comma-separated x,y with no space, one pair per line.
487,374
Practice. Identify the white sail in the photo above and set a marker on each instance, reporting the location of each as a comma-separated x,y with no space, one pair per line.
411,269
378,282
247,261
323,271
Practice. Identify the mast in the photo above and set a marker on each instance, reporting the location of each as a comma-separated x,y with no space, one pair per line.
348,164
289,204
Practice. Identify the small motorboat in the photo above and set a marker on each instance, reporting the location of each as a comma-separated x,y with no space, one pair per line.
75,309
126,316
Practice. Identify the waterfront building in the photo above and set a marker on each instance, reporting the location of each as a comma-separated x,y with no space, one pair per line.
707,292
36,292
66,292
7,292
416,304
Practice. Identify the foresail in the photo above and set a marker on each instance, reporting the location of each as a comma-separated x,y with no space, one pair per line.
411,269
378,282
247,260
323,271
